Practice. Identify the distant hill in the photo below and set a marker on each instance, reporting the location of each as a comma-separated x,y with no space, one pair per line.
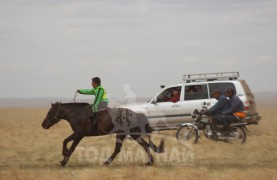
30,102
268,99
266,95
42,102
262,99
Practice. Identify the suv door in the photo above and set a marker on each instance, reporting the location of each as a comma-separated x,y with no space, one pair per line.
163,112
194,96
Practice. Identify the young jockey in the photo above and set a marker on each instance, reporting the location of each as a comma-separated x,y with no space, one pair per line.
100,102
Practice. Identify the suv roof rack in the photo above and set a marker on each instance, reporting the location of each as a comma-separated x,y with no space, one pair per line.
210,76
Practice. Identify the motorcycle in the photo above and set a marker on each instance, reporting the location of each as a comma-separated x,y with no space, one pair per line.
190,132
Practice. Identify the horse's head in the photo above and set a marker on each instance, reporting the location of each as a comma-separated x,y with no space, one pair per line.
53,116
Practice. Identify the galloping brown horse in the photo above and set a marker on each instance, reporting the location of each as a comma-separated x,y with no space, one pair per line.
121,121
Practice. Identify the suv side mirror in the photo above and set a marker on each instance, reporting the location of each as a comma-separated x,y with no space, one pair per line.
154,101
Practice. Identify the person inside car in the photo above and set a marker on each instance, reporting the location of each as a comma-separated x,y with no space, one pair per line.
198,89
175,96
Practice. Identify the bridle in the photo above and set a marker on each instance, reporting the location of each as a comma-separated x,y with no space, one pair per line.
57,113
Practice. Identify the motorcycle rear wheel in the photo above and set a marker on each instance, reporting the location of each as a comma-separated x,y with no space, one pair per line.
238,135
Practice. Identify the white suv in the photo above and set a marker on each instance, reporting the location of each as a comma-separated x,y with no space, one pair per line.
195,90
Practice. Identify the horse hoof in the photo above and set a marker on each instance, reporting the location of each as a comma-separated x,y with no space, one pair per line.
106,163
63,163
149,164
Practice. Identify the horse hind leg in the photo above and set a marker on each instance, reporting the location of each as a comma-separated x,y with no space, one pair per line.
159,149
145,146
118,146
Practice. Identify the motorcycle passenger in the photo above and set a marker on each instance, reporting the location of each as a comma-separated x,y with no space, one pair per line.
216,110
236,108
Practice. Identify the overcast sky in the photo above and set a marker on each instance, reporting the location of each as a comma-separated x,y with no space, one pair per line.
50,48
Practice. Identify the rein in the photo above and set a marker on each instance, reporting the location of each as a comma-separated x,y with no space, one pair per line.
74,99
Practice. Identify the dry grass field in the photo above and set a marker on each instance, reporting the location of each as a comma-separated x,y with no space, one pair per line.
29,152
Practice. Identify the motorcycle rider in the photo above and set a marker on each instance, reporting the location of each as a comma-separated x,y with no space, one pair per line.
216,110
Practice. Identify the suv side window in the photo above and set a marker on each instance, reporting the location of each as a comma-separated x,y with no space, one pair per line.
221,86
195,92
167,94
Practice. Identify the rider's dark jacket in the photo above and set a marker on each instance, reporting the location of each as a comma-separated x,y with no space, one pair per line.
235,105
221,105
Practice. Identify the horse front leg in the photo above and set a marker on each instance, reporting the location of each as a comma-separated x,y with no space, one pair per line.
67,152
118,146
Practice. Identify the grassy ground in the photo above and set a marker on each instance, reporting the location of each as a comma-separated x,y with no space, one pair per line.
27,151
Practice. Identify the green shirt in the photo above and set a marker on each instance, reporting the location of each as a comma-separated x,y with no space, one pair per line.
100,95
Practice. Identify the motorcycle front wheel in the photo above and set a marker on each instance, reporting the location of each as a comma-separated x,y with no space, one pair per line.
188,134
